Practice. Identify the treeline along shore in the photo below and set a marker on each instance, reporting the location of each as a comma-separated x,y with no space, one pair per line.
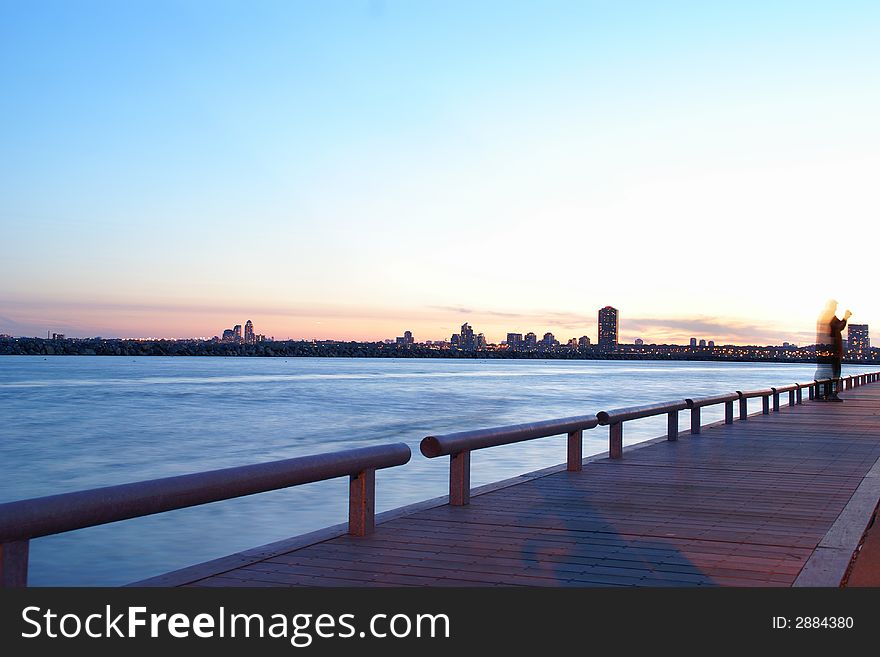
338,349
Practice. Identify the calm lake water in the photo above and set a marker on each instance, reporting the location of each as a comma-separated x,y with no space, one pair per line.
78,422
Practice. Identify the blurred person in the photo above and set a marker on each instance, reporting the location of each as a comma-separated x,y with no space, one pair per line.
829,348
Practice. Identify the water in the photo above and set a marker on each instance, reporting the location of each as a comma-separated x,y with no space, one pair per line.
72,423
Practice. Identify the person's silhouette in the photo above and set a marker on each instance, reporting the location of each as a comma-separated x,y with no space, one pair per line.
829,347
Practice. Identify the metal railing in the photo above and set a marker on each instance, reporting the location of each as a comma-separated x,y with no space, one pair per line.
746,395
696,406
22,520
615,419
458,446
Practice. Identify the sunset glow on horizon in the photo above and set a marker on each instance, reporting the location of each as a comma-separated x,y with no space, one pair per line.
352,170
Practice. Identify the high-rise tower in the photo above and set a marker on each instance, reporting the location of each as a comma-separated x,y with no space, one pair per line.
608,329
857,336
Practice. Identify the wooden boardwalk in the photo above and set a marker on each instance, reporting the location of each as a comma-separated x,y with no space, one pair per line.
747,504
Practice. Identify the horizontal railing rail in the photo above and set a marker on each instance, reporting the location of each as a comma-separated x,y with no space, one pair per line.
458,446
746,395
778,390
614,420
811,390
23,520
697,404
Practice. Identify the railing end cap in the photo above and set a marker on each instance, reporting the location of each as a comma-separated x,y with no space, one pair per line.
430,447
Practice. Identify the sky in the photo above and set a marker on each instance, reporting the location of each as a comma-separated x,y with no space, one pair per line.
354,169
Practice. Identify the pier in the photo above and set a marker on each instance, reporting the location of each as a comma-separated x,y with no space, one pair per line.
773,495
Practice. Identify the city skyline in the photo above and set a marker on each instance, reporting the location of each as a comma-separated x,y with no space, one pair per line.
338,171
607,332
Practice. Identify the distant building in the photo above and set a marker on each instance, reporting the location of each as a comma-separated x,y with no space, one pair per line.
693,342
57,336
711,343
455,341
480,341
548,340
406,339
573,343
857,335
608,325
514,341
236,330
468,340
531,340
702,343
249,332
583,342
639,342
228,335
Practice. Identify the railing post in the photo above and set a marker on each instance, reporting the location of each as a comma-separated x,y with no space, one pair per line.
362,503
799,395
791,401
765,404
672,425
14,564
695,420
812,390
775,400
728,412
615,440
460,478
743,408
575,450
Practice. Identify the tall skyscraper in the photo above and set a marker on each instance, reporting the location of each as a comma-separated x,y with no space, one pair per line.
608,329
236,331
249,333
468,339
693,342
514,340
857,335
531,340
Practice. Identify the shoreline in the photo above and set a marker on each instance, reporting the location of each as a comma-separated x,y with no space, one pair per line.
351,349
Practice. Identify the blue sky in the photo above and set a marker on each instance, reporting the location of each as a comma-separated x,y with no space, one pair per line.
354,169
